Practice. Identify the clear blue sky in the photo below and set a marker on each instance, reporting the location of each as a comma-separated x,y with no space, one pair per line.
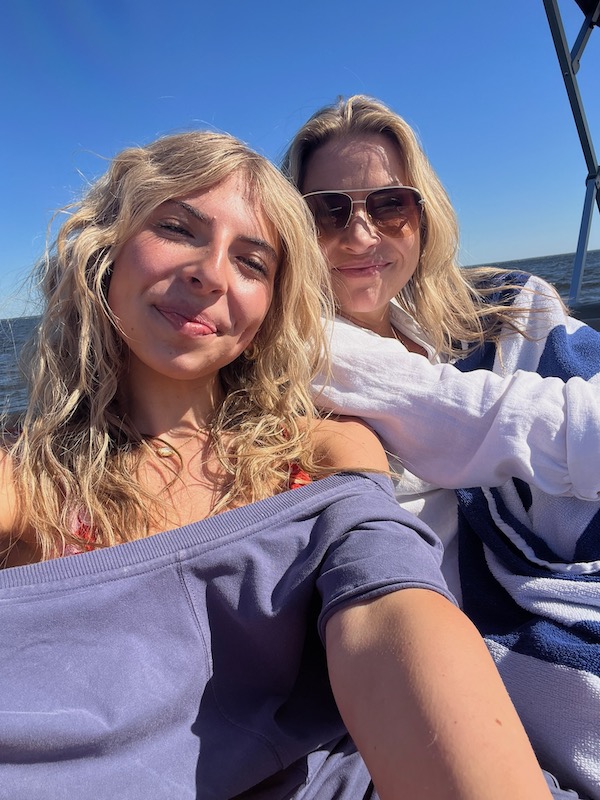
479,81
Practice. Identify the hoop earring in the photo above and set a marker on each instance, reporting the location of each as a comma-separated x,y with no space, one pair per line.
251,352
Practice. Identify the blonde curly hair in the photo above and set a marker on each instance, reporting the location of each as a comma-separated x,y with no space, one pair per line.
451,304
75,449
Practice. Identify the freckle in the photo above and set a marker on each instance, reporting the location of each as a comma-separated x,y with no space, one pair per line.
498,722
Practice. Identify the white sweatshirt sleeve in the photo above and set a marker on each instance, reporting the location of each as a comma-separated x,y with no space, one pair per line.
456,429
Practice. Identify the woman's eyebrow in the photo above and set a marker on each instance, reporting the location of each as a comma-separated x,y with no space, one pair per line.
193,211
269,250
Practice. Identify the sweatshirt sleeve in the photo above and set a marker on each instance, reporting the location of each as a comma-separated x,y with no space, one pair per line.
459,429
376,547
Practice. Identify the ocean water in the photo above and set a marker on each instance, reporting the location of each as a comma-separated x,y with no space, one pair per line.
557,270
14,332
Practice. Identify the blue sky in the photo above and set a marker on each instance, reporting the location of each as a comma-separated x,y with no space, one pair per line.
479,81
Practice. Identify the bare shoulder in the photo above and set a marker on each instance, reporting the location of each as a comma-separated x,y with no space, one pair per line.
348,443
7,494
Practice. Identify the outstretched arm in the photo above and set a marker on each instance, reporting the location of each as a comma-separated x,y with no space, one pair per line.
457,429
424,703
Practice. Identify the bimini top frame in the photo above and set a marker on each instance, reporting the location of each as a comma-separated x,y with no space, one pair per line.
569,61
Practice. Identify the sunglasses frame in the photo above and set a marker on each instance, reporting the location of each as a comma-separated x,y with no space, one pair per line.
346,193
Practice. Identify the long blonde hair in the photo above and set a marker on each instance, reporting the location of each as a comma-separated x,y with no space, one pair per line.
449,302
76,451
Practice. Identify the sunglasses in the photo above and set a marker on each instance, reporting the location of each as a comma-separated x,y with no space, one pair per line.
394,210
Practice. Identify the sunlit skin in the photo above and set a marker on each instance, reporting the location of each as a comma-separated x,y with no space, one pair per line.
190,291
369,269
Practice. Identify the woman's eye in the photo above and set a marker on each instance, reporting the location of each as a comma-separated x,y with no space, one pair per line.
255,264
172,226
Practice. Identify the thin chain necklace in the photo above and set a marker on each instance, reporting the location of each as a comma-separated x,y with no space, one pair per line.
408,344
397,336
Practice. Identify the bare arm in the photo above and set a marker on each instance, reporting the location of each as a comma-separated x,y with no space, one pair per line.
7,511
425,705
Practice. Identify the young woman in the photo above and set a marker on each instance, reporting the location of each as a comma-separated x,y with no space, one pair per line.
194,596
523,556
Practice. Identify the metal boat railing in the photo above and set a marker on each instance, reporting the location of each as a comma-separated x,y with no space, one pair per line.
569,60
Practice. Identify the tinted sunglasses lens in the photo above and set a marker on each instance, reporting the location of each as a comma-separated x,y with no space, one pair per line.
330,210
396,212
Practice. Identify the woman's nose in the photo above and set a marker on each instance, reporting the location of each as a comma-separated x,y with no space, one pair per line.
360,233
209,271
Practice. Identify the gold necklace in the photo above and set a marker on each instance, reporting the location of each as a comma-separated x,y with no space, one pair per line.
407,343
397,336
166,450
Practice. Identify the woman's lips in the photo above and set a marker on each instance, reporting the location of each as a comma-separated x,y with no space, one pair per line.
361,270
195,325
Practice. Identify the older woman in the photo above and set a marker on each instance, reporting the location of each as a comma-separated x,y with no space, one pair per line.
524,555
177,623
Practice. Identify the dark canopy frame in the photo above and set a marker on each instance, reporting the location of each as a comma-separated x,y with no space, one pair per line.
569,61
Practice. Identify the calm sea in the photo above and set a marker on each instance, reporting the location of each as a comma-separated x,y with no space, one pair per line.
14,332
